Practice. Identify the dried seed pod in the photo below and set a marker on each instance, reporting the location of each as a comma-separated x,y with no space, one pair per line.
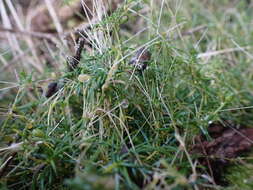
51,89
74,61
141,59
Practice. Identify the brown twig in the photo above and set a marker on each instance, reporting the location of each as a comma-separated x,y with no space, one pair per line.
191,31
47,36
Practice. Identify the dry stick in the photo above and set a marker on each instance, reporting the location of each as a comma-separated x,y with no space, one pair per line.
194,30
218,52
40,35
82,26
190,31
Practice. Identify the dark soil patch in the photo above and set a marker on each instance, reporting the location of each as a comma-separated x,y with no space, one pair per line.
226,144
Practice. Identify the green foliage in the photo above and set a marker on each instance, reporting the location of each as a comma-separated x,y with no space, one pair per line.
240,176
128,134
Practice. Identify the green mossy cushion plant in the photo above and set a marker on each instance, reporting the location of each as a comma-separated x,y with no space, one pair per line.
112,127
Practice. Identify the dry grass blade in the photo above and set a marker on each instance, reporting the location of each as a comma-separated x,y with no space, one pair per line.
7,24
13,40
219,52
55,18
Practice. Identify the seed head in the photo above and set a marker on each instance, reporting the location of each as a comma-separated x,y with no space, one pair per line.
51,89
